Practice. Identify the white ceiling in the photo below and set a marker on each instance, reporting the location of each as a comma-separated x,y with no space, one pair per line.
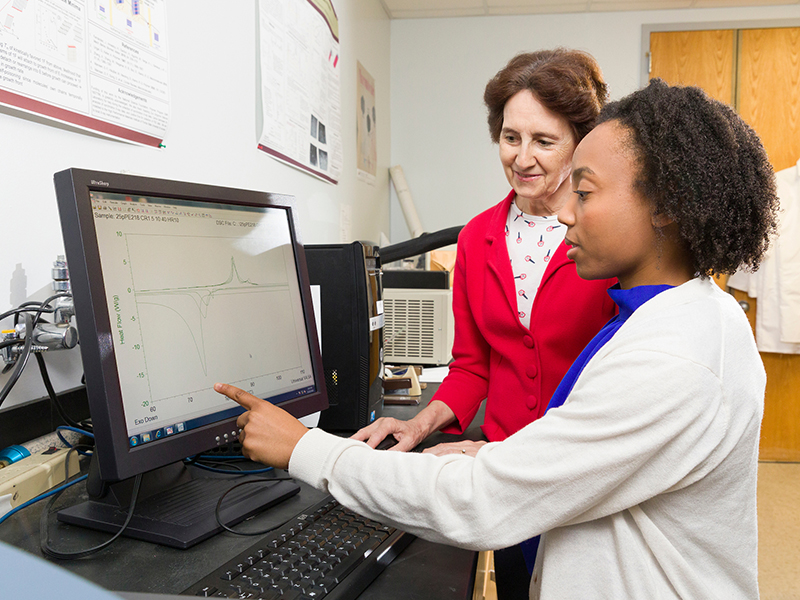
412,9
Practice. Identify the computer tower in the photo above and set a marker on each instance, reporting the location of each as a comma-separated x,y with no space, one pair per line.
349,276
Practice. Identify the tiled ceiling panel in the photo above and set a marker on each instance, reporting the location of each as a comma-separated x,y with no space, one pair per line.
414,9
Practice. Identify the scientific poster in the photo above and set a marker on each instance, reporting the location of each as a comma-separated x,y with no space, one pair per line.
367,147
300,95
97,64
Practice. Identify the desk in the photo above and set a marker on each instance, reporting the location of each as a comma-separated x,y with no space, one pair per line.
423,570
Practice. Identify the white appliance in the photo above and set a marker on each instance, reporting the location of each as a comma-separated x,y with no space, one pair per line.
418,326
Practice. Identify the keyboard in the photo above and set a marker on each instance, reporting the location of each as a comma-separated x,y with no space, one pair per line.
327,551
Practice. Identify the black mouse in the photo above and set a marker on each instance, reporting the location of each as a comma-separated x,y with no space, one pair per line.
386,443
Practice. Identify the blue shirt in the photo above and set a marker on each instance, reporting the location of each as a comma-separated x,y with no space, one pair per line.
627,301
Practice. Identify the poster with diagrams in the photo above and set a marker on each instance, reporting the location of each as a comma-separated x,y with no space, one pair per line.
99,65
366,140
300,96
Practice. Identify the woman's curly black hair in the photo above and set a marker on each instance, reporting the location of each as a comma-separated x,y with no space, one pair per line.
702,166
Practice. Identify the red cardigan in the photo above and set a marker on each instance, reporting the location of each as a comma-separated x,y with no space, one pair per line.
496,357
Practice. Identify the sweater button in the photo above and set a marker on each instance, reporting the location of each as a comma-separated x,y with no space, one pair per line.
532,402
528,341
531,371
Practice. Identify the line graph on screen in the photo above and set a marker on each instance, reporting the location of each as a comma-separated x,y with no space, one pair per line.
199,312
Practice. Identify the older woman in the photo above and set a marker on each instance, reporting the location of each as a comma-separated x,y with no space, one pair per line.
522,314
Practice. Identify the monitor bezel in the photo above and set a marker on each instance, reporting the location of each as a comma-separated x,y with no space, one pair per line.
117,459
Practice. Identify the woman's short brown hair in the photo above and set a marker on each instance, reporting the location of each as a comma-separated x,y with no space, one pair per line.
567,82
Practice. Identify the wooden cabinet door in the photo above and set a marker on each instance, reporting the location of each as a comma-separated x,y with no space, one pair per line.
758,72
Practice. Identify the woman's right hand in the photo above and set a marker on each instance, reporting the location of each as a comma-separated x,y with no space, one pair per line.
407,433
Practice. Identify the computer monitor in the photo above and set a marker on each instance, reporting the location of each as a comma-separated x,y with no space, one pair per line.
177,286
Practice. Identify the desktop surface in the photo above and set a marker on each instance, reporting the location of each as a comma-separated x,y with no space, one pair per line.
140,569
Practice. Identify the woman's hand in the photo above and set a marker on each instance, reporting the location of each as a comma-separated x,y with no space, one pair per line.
269,434
467,448
407,433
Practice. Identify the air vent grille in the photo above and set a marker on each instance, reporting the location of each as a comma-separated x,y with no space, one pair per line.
410,328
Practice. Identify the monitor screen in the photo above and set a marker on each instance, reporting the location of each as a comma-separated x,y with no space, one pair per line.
199,293
178,286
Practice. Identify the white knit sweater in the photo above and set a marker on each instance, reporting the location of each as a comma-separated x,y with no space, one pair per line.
644,480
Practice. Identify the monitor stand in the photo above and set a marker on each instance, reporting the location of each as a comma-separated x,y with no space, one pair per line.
175,506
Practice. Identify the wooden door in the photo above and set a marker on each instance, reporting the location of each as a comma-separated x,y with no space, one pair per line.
701,58
769,90
769,100
758,72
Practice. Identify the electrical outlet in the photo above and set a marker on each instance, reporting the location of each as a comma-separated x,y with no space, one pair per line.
34,475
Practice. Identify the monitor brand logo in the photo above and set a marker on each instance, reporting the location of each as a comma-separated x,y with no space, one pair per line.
95,182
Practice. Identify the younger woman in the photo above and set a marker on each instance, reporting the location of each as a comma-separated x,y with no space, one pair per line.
643,480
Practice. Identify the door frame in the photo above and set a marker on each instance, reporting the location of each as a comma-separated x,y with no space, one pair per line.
648,28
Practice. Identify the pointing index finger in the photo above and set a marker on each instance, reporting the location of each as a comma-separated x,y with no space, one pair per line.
248,401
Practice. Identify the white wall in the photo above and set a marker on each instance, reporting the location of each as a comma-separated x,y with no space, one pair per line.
212,139
441,66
